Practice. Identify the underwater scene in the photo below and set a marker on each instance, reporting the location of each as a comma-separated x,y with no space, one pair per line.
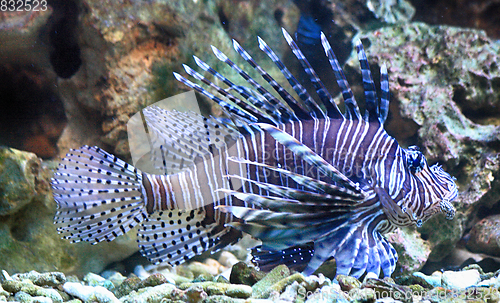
249,151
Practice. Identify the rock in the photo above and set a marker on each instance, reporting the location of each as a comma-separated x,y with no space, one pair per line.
32,118
313,282
274,276
216,288
114,277
19,172
484,236
26,286
292,292
226,299
27,232
387,300
196,293
241,273
363,295
97,294
127,63
434,280
227,259
473,14
328,293
3,293
387,288
412,250
280,286
391,11
128,285
347,283
444,93
493,281
153,280
460,279
141,272
42,279
96,280
155,294
213,266
199,270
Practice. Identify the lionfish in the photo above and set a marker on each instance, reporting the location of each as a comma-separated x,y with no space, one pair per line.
310,182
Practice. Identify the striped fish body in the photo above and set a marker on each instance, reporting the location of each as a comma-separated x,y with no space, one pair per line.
310,182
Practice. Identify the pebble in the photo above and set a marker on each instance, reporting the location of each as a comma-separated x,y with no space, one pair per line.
494,282
261,288
227,259
292,292
23,297
141,272
216,288
328,293
196,293
434,279
347,283
387,300
154,294
96,280
86,293
241,273
279,285
27,286
313,282
114,277
460,279
128,285
42,279
153,280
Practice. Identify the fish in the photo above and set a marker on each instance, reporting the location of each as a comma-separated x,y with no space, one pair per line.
309,181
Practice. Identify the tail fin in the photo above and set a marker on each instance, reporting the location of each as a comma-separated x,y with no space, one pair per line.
98,195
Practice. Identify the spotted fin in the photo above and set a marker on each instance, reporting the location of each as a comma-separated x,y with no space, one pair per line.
176,236
296,257
98,196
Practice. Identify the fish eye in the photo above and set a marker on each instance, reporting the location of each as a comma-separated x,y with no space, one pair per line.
415,159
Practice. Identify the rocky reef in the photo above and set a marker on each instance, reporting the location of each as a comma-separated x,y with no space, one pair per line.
445,87
445,91
29,240
279,285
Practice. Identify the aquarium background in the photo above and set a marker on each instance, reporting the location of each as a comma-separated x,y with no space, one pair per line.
73,72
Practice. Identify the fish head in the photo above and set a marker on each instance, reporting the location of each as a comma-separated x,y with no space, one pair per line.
435,188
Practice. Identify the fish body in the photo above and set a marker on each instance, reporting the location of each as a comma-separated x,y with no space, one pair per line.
310,182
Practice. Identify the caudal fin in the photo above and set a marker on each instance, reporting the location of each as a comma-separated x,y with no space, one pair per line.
98,195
